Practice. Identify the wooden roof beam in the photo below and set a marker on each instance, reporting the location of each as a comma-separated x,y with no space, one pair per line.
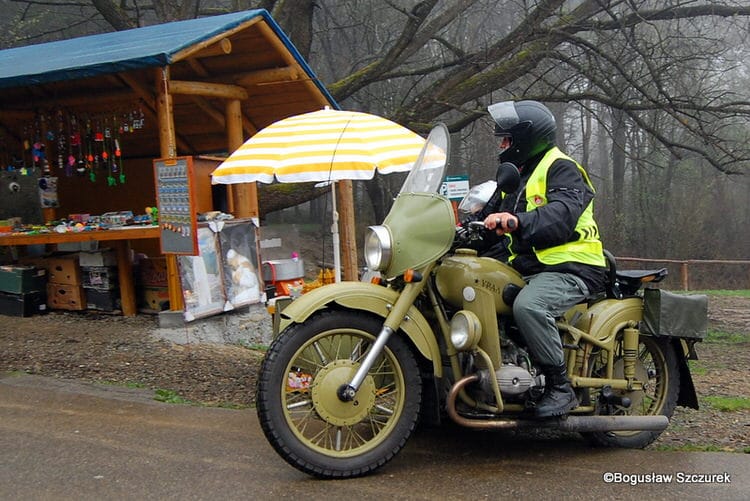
207,89
220,48
273,75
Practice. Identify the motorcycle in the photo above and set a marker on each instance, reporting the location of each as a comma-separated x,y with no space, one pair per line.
355,366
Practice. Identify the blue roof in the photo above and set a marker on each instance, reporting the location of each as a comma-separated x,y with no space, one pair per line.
118,51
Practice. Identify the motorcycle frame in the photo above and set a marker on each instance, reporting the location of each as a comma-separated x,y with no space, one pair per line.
597,327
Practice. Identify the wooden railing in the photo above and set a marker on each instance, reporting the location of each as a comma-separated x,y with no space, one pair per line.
713,274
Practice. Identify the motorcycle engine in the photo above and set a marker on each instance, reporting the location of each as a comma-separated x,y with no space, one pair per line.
512,380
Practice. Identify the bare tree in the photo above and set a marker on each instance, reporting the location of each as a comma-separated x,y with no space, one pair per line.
641,67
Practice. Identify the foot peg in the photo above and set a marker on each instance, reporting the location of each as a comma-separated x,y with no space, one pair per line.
607,396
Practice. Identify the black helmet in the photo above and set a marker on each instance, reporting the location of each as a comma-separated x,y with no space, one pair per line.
530,126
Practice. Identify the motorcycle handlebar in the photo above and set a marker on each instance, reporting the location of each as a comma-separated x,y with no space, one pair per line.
476,225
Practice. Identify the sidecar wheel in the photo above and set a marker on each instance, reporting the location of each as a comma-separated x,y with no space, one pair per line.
301,414
657,366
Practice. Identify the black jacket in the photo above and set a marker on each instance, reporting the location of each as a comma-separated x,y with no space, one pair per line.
553,224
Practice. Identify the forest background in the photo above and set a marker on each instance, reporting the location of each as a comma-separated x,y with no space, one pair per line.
650,96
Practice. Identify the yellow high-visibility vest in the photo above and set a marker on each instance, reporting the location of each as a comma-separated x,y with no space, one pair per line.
588,248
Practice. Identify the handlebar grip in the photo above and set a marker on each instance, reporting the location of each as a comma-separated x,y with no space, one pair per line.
511,223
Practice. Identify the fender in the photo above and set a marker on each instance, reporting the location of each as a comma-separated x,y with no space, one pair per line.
371,298
606,317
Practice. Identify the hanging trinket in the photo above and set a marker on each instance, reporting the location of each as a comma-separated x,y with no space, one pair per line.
118,157
90,152
61,145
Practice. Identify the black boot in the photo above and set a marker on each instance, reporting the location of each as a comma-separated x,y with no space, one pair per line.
558,398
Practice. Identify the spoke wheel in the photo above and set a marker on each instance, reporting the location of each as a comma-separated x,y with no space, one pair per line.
299,408
656,367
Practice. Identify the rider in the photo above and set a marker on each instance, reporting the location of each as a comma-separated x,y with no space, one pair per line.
550,236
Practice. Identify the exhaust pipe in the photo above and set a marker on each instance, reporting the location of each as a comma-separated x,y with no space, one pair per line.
569,423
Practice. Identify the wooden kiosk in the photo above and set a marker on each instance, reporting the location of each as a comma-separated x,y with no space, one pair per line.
197,87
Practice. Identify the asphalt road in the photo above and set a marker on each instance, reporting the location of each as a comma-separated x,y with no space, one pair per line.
67,440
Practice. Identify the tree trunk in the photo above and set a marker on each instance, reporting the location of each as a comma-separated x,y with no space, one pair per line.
618,161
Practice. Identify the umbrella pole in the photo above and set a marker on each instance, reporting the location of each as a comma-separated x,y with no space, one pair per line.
335,237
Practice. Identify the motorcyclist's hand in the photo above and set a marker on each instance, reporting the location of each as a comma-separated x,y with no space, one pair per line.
501,222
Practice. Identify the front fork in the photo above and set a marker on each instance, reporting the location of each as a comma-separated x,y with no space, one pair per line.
398,314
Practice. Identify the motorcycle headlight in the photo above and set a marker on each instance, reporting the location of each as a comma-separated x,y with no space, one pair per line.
466,330
378,248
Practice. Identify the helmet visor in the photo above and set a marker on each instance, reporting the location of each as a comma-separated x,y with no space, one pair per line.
504,114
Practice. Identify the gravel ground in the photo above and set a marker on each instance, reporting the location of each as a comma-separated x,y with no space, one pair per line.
124,351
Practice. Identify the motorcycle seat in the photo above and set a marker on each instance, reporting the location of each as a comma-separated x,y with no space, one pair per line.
642,275
623,283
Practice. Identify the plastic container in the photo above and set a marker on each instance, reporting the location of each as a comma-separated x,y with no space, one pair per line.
283,269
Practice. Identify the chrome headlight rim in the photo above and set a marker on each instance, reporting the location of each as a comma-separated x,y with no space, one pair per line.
378,248
466,330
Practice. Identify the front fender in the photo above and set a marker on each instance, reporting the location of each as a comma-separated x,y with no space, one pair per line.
371,298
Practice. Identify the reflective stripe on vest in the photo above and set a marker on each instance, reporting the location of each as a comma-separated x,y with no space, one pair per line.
588,248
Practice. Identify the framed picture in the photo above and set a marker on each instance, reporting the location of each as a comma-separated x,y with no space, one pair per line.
201,277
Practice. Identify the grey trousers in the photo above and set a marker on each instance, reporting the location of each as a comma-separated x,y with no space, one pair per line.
546,296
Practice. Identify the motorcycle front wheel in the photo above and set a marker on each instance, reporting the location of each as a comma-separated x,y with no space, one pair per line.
656,367
301,414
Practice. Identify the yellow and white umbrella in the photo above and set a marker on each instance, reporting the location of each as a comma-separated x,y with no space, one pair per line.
324,145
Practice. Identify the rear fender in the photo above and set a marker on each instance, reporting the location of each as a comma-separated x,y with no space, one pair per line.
371,298
608,316
605,318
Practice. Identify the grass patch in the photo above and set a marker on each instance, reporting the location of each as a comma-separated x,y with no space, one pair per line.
734,293
697,367
170,397
134,385
228,405
721,337
253,346
128,384
698,448
728,404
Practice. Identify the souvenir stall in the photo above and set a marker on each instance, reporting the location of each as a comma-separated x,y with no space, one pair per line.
94,121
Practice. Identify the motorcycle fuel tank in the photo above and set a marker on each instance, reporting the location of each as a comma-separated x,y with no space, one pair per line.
466,269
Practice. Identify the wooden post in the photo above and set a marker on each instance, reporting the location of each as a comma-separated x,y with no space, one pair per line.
684,276
167,141
347,230
244,196
125,275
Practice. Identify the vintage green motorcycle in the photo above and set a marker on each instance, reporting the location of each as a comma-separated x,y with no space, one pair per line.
356,365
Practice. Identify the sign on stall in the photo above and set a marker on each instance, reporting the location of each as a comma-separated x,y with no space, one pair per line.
455,187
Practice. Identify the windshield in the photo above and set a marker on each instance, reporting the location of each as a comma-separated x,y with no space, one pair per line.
427,173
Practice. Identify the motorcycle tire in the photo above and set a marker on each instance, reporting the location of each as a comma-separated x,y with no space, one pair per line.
298,407
657,366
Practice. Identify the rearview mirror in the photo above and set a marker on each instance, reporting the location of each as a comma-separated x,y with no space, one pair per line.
507,177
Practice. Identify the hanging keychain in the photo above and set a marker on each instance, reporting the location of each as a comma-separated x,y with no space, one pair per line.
118,157
81,162
61,144
71,159
90,154
106,160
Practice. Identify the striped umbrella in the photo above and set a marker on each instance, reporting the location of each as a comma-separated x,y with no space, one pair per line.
324,145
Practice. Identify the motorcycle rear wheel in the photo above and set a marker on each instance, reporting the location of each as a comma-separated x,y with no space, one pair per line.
300,413
656,366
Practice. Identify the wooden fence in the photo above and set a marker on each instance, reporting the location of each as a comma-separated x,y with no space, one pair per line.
695,274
